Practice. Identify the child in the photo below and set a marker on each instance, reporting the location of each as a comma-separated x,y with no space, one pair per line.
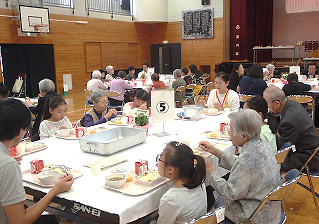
139,102
54,117
186,200
294,87
269,123
222,97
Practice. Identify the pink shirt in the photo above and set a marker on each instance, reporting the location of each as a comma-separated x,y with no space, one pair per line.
95,84
119,85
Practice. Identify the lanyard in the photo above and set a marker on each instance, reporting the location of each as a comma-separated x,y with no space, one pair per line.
224,98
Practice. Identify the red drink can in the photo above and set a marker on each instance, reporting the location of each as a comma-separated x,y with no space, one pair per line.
129,119
222,125
137,167
36,165
79,132
145,164
13,151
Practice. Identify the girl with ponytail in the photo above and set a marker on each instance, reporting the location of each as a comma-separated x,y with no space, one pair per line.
186,200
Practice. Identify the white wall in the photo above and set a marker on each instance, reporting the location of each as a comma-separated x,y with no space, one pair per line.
293,27
160,10
150,10
175,8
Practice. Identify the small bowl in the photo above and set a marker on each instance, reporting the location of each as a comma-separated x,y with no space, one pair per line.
116,180
49,177
63,132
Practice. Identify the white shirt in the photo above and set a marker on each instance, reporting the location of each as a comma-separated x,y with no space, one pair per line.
94,84
232,99
49,128
180,205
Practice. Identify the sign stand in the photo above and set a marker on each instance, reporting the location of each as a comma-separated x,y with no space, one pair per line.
162,108
163,133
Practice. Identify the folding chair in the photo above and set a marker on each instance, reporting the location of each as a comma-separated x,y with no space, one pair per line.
180,89
87,93
282,154
279,193
304,100
210,217
114,94
309,175
243,98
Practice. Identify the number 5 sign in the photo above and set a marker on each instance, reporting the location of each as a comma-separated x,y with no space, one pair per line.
163,106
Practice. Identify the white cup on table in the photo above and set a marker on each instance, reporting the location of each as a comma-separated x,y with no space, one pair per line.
95,168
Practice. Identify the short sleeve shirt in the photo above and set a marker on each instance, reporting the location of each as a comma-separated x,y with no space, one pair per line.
11,186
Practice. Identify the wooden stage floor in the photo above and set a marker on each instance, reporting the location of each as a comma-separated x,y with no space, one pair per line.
299,207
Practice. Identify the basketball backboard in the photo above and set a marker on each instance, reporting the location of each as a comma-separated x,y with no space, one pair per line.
31,16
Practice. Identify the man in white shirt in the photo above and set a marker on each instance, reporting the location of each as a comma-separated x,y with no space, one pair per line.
145,70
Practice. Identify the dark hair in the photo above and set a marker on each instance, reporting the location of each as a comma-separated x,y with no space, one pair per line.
101,70
155,77
52,103
311,64
121,74
14,116
259,104
224,76
130,68
147,64
142,95
193,68
182,157
4,90
236,67
256,71
185,70
292,77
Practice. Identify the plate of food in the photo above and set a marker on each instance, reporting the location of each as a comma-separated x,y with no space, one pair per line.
116,121
150,177
30,147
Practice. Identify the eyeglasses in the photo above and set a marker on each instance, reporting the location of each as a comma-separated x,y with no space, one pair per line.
103,101
158,158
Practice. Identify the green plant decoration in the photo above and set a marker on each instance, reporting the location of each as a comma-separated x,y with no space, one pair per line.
141,118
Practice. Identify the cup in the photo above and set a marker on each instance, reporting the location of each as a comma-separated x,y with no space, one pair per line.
124,120
95,168
21,149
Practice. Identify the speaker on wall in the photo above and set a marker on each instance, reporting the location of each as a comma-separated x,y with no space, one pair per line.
205,2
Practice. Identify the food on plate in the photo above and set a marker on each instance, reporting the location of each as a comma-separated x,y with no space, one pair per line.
92,131
116,180
213,135
129,178
48,177
115,120
118,122
30,145
148,176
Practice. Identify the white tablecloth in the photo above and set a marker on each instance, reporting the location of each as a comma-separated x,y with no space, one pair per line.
89,189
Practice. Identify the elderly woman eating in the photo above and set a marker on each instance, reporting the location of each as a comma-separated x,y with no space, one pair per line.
98,114
253,174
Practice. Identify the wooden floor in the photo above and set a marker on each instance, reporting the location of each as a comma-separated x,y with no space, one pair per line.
299,207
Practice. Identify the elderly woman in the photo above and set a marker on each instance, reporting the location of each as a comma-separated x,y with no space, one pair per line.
119,85
253,174
271,69
98,113
109,73
96,83
46,88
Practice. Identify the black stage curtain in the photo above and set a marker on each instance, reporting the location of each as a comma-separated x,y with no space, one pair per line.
250,25
34,60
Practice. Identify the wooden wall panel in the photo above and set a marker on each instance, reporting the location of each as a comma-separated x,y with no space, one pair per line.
134,54
93,56
107,52
121,55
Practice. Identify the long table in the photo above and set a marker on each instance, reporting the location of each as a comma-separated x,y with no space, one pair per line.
89,200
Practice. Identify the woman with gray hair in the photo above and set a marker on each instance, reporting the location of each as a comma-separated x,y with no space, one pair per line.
96,83
253,174
109,73
271,69
98,114
46,89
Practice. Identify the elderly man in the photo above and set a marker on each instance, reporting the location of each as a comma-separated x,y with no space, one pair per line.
96,83
179,81
311,72
295,126
253,174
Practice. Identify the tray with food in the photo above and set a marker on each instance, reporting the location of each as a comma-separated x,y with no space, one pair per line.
218,135
108,162
26,148
117,121
132,186
48,177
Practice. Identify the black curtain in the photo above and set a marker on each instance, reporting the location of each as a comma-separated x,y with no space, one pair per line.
36,61
126,4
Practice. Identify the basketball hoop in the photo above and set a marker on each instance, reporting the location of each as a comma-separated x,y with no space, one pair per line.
44,29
